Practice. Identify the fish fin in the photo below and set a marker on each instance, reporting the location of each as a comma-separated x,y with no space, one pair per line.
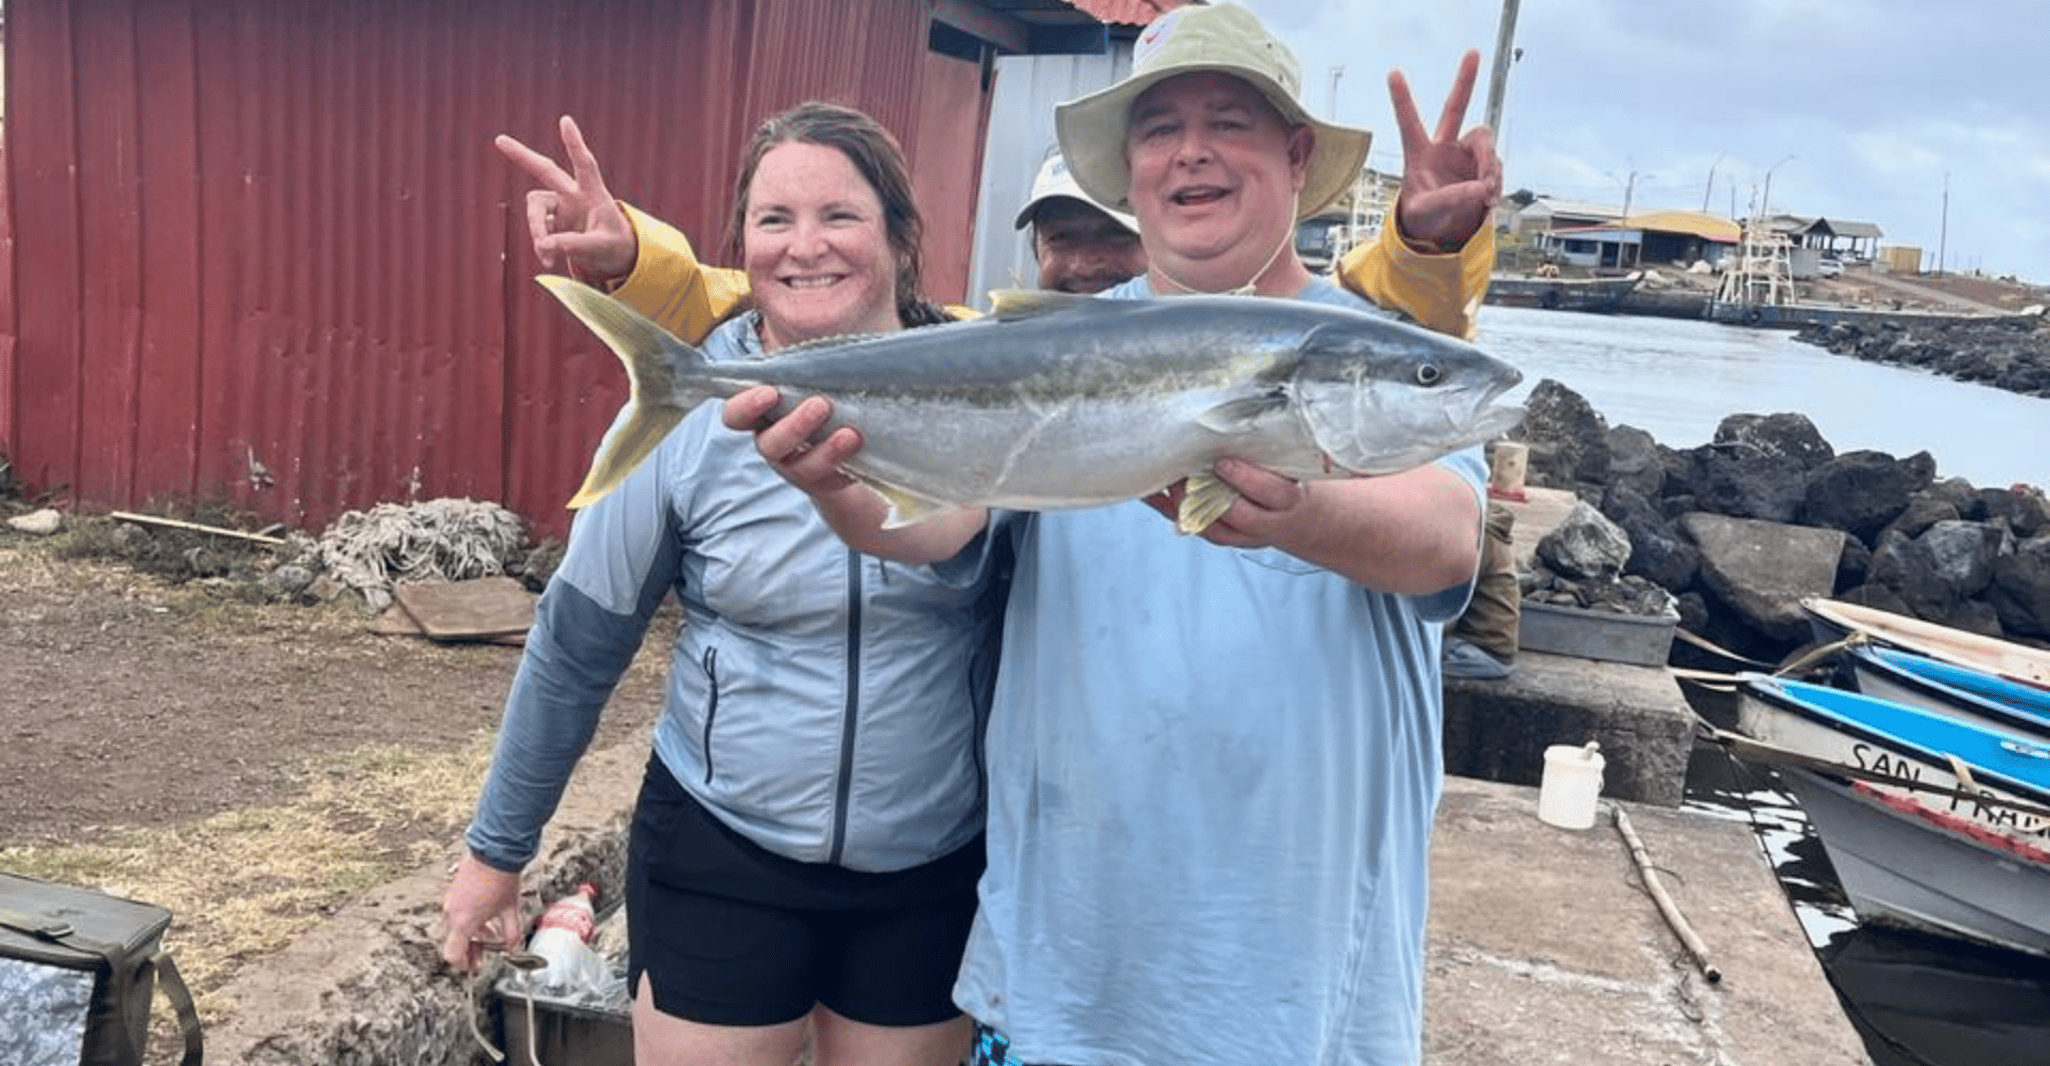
907,508
1006,305
625,449
1204,500
656,367
1240,414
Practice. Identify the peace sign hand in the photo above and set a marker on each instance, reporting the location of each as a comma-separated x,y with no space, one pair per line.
1449,182
573,218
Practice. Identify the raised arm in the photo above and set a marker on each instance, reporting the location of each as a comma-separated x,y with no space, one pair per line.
572,217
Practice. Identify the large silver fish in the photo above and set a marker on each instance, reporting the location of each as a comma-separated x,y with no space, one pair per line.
1057,401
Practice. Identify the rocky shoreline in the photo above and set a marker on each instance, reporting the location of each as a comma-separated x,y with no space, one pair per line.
2004,353
1741,528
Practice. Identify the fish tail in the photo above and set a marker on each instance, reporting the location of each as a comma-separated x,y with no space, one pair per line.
661,373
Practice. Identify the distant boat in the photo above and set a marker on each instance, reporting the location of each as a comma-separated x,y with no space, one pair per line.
1948,864
1835,619
1562,294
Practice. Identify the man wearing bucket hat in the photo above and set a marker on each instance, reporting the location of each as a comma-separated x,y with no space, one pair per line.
1212,773
1080,246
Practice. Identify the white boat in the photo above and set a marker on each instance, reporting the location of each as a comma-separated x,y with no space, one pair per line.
1835,619
1962,692
1931,822
1904,862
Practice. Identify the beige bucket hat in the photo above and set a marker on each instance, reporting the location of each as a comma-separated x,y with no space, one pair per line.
1056,183
1198,37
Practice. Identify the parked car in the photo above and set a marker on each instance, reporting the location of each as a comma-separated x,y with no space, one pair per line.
1829,268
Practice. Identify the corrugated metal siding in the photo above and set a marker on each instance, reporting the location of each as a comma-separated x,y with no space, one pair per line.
1021,133
262,250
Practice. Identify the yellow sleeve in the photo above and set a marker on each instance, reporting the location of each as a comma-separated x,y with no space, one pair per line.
1439,292
669,285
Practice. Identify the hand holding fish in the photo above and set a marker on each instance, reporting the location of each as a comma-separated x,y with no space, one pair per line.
853,511
1449,182
573,217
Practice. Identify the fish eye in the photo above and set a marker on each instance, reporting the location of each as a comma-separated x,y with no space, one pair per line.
1428,374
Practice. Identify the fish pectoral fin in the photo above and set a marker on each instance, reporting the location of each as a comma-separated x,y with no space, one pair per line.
1204,500
1242,413
907,508
1007,305
644,428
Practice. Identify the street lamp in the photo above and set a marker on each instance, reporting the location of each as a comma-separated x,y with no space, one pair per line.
1765,199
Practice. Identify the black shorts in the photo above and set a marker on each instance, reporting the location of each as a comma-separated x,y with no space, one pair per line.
733,934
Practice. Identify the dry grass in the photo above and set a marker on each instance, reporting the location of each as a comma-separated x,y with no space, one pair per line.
245,882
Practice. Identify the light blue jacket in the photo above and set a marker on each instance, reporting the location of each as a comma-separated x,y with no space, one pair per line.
825,704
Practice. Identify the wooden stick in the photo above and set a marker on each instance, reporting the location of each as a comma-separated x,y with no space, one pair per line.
173,523
1666,906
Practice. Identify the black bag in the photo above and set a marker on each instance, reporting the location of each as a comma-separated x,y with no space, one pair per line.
77,971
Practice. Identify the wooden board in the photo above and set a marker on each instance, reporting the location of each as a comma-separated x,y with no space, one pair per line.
486,608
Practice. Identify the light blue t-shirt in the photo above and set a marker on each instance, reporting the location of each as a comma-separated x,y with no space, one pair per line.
1213,774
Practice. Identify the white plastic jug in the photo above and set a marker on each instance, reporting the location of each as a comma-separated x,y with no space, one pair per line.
1572,784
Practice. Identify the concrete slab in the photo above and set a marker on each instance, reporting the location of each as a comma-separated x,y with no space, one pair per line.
1499,730
1544,949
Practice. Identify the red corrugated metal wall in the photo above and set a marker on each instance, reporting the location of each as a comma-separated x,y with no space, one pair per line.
263,251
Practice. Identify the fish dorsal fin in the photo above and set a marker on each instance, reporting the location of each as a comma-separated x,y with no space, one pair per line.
1204,500
834,341
1010,304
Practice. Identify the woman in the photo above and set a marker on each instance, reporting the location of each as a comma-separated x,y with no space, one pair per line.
807,837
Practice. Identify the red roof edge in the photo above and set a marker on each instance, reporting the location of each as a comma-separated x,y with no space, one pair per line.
1125,12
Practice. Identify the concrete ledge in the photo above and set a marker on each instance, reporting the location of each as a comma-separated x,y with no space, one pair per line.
1499,730
1544,948
368,986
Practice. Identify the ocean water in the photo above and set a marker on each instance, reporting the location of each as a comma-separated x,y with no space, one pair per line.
1677,379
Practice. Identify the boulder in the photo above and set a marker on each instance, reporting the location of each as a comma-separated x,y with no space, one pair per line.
2020,594
1584,544
1860,492
1948,563
1762,570
1568,440
1783,436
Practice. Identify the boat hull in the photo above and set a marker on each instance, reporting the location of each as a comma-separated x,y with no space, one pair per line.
1835,620
1906,863
1962,693
1907,745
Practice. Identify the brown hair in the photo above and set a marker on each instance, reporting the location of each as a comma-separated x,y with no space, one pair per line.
879,159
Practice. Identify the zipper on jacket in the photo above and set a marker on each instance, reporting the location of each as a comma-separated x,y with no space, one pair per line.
851,712
710,662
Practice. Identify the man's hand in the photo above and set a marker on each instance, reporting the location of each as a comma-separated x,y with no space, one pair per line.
573,217
1267,504
1449,182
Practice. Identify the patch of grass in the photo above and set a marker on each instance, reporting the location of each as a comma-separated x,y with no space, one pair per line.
242,884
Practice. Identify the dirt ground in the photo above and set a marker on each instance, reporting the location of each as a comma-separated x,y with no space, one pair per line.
251,766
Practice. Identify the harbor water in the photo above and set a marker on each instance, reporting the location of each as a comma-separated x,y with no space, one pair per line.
1917,1001
1677,379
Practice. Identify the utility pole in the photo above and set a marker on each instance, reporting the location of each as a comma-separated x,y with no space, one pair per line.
1943,228
1498,79
1710,188
1331,111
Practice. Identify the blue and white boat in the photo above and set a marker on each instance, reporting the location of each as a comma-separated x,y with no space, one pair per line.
1962,692
1956,865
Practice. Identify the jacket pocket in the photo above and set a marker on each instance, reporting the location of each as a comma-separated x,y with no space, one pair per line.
710,664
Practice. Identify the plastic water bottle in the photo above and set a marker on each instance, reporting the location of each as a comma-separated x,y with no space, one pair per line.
563,937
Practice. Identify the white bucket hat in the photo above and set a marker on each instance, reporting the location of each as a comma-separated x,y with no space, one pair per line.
1055,183
1198,37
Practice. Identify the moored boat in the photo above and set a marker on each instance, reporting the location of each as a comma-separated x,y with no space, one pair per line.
1835,619
1961,692
1561,294
1908,863
1909,752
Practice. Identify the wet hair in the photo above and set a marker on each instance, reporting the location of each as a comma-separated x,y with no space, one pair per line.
879,159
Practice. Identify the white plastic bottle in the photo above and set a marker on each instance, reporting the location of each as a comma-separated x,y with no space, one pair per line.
563,936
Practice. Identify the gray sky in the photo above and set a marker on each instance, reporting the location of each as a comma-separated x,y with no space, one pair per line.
1859,109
